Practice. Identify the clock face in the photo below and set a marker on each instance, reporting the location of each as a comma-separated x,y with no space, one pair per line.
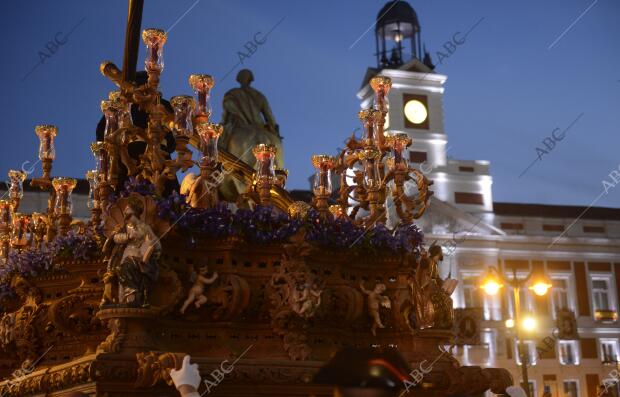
415,111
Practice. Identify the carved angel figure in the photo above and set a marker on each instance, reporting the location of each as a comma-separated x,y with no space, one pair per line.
306,299
132,251
375,301
196,293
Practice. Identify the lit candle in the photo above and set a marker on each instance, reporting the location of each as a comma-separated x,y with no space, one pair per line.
123,111
16,184
265,157
398,142
101,158
202,84
381,86
183,106
39,227
46,134
370,159
19,236
209,134
92,176
323,165
63,187
110,112
6,215
368,118
154,40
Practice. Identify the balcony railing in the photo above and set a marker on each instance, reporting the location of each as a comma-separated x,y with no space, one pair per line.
605,316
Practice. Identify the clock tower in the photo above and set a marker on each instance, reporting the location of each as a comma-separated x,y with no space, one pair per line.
416,108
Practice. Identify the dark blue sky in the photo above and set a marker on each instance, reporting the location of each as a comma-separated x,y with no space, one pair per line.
506,91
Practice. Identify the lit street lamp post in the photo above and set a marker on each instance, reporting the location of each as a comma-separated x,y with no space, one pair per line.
492,283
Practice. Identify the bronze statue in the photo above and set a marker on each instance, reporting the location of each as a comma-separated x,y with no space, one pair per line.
133,253
248,121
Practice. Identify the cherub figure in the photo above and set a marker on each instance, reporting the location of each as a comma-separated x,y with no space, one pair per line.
306,300
375,301
196,293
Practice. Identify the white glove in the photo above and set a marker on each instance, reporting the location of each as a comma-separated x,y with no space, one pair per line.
187,375
515,391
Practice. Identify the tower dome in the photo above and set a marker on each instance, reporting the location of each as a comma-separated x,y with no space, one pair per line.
397,26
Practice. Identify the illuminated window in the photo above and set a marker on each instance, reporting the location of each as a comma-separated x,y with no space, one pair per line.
530,352
600,294
471,292
609,351
559,294
568,352
571,388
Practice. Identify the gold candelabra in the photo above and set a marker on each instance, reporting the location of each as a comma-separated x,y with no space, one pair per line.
371,169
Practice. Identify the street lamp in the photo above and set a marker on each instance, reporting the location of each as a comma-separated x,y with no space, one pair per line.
493,282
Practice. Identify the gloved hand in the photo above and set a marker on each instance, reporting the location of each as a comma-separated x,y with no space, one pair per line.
187,375
515,391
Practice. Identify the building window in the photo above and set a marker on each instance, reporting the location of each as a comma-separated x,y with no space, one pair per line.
600,294
532,386
466,169
559,294
571,388
417,157
530,352
609,351
471,293
553,228
594,229
511,226
568,352
468,198
525,300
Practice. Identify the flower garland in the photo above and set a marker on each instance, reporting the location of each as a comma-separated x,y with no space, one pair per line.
35,262
262,225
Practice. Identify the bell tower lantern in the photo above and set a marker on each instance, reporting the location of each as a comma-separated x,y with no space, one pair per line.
397,35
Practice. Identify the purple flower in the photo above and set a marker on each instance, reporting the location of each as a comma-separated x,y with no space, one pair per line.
75,246
264,225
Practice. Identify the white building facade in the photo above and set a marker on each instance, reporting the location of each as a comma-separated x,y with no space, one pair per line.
581,259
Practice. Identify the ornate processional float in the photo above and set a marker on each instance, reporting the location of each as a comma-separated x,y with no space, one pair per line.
108,306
